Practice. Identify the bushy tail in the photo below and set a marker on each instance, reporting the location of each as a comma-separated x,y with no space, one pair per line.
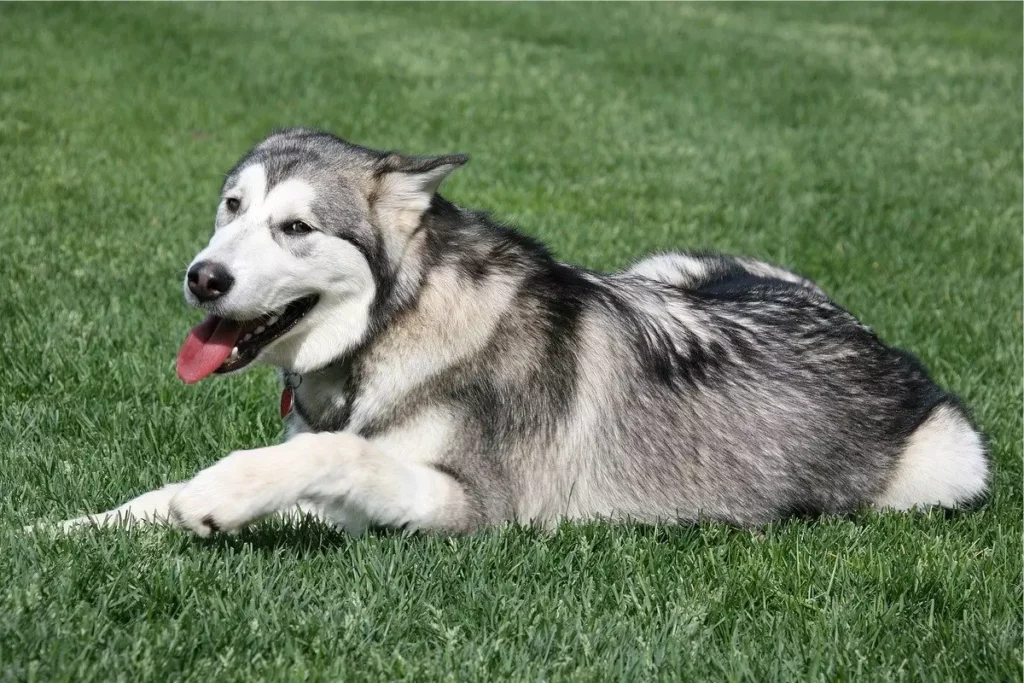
944,463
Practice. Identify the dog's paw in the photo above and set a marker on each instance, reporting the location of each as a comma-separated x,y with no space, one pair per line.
229,495
149,508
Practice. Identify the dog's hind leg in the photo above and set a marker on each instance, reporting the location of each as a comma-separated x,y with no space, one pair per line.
333,470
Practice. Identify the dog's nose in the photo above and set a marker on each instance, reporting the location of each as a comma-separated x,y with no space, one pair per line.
209,281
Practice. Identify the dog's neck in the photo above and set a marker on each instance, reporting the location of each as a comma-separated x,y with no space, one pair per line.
455,285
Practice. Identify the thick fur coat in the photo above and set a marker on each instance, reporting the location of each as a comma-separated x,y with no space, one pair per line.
450,374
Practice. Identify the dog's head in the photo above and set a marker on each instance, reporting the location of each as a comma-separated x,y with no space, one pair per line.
308,230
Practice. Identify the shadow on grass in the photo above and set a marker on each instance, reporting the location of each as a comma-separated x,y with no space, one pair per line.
306,536
309,536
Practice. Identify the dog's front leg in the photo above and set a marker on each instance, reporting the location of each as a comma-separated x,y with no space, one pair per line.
328,468
149,508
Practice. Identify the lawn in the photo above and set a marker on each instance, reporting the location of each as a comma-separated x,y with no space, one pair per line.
874,148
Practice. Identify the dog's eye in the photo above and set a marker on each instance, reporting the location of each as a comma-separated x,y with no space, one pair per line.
296,228
232,203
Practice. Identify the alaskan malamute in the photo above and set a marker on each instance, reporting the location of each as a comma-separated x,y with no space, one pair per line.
443,371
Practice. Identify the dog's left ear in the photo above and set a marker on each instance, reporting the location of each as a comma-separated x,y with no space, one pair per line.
407,184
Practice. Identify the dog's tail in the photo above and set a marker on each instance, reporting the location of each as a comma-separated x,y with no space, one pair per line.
944,463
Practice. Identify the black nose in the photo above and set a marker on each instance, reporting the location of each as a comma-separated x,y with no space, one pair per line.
209,281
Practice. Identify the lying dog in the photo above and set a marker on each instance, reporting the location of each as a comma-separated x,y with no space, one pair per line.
442,371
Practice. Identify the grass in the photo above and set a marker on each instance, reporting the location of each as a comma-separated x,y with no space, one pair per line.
875,148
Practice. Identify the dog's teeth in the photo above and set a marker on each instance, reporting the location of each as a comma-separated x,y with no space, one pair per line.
234,354
259,330
247,336
272,321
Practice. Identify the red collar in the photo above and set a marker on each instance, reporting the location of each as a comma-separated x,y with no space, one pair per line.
287,399
292,380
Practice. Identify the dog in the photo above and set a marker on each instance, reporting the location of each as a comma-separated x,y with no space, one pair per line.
443,372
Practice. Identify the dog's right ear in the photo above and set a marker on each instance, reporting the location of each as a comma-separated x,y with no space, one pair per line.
407,184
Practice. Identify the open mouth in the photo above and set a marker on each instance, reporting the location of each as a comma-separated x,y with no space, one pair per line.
219,345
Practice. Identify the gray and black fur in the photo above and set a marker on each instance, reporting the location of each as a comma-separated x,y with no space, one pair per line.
782,402
490,382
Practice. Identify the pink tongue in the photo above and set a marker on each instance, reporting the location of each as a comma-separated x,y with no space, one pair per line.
208,345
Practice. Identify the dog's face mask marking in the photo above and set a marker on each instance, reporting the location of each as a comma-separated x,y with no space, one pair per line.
307,230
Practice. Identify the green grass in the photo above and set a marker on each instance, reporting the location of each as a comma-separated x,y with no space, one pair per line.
875,148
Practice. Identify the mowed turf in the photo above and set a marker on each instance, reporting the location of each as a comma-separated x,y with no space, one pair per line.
874,148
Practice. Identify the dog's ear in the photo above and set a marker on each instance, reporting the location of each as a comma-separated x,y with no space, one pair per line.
407,184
